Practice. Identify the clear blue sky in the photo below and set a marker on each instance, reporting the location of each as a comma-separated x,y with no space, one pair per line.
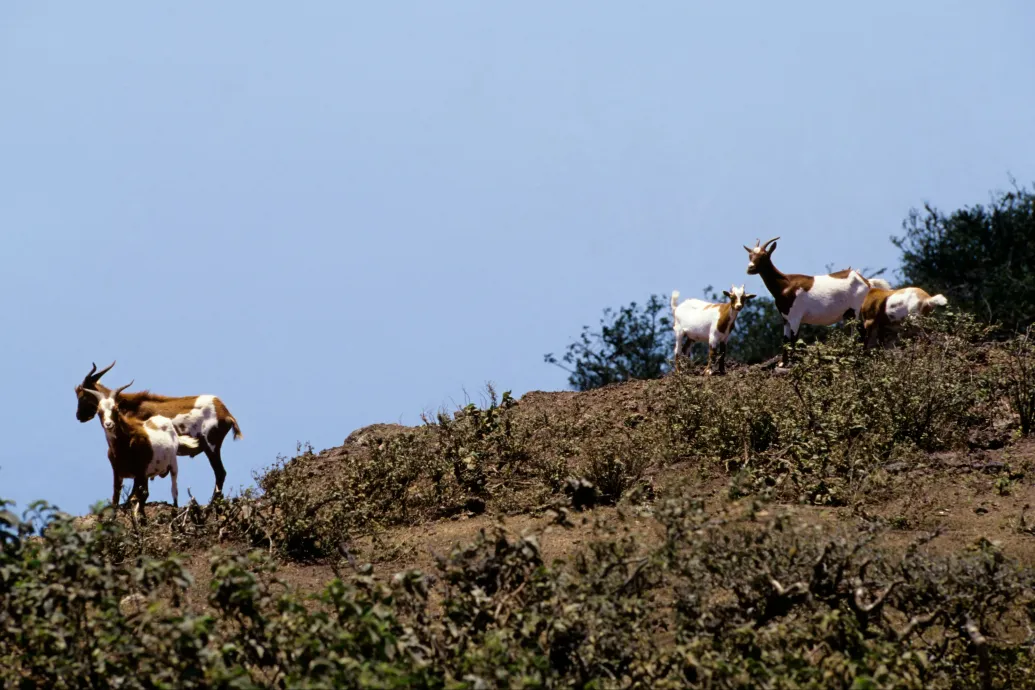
337,213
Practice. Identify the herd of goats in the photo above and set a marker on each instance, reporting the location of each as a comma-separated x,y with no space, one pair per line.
146,432
801,299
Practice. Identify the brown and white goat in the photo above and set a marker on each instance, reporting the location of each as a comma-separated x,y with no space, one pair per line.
698,321
139,449
819,300
884,311
203,418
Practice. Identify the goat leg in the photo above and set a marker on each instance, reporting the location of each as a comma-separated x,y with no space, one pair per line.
116,491
140,492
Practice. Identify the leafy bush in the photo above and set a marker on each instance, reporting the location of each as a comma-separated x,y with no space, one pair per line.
739,597
763,601
634,342
980,257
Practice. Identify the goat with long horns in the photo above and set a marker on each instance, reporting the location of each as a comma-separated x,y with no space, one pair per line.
202,418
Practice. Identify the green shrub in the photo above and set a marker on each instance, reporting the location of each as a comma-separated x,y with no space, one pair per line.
734,598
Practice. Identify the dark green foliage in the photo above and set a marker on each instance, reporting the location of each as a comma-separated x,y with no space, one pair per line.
633,343
982,258
734,598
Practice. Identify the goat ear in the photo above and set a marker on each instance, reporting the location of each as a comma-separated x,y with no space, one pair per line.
749,296
747,248
771,249
727,293
94,393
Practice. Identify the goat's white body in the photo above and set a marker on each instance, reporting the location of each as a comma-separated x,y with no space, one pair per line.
698,321
200,423
908,301
826,302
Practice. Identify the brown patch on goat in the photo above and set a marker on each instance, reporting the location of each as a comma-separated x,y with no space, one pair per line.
726,317
875,305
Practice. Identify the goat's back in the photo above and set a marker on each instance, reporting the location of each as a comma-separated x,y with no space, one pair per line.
695,318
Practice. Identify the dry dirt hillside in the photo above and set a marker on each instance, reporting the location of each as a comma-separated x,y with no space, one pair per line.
395,496
857,521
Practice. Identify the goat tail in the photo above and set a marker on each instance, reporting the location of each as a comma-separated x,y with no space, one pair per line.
675,300
237,429
937,301
879,283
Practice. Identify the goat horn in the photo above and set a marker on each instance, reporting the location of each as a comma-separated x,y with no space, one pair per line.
121,388
94,376
769,242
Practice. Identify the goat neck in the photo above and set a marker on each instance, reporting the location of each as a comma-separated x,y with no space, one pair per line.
775,281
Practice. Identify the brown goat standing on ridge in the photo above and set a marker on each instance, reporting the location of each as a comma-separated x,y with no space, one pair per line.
139,449
203,418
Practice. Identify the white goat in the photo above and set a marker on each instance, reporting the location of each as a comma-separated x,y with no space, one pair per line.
698,321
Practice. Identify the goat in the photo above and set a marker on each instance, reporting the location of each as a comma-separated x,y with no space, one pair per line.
884,310
819,300
698,321
203,418
139,449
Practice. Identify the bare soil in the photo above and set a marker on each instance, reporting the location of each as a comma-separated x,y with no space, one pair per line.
963,494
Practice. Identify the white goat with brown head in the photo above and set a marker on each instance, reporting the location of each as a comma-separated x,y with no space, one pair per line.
884,311
139,449
698,321
819,300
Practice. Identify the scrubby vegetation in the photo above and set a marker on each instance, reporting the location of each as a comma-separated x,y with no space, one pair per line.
735,591
728,599
824,433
